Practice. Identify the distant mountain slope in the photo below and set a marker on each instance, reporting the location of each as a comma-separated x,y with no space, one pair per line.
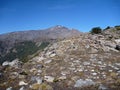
50,33
10,41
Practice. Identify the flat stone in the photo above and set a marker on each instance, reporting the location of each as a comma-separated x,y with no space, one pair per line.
22,88
65,72
92,70
102,87
48,61
82,83
49,78
110,70
80,70
5,63
86,63
52,55
62,78
99,62
39,71
22,83
94,74
10,88
33,69
38,59
39,80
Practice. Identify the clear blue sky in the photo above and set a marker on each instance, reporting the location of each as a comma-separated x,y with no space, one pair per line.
17,15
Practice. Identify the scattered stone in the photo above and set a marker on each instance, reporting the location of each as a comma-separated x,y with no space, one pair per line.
38,59
5,63
15,63
86,63
33,70
94,74
39,80
92,70
62,78
22,88
52,55
65,73
36,79
83,83
48,61
22,83
49,78
39,71
110,70
80,70
118,72
102,87
10,88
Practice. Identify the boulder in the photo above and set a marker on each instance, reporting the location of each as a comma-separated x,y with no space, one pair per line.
15,63
83,83
49,78
10,88
22,83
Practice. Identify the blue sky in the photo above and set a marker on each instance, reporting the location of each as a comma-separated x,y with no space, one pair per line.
17,15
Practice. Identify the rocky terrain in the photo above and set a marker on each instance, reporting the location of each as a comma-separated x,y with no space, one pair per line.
82,62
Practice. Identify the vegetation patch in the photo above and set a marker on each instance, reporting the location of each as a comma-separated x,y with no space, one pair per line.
96,30
22,51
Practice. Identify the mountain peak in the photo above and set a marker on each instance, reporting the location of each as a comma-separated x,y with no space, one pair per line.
58,27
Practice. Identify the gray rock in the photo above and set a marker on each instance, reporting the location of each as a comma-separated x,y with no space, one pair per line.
5,63
48,61
49,78
22,88
15,63
39,80
10,88
22,83
86,63
62,78
36,79
102,87
82,83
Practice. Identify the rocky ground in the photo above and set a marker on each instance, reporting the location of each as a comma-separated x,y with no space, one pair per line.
87,62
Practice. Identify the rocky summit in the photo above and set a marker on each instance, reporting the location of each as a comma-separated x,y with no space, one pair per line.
83,61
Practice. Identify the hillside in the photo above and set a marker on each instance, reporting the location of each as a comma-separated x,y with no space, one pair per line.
81,61
14,41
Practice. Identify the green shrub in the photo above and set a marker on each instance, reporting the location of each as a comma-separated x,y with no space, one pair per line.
22,51
43,45
96,30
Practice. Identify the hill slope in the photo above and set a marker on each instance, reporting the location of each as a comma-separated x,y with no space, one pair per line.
13,41
85,62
